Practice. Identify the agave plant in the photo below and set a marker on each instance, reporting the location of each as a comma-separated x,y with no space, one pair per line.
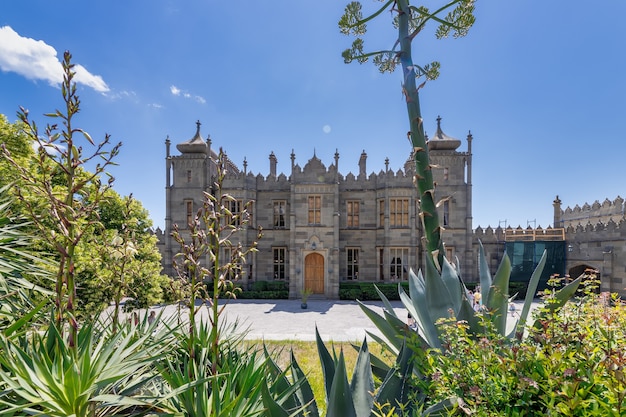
441,294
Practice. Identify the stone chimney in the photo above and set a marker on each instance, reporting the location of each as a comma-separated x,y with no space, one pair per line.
273,162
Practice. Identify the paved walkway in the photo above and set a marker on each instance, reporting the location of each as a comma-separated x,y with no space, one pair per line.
286,320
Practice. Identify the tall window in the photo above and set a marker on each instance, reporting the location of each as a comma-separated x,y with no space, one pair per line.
353,210
188,175
234,206
381,213
315,209
399,212
446,213
398,265
279,213
381,264
189,211
352,263
279,262
446,173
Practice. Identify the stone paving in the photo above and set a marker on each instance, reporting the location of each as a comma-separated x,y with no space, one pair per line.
286,320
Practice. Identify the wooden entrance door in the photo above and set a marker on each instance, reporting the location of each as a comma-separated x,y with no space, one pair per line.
314,273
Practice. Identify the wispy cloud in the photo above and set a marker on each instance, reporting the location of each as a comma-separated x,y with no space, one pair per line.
37,60
180,93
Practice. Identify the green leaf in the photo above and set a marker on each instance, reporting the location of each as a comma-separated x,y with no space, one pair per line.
362,384
438,298
483,272
394,388
328,364
340,402
304,390
498,301
530,292
442,409
388,331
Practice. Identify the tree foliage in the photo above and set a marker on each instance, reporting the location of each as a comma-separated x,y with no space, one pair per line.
56,177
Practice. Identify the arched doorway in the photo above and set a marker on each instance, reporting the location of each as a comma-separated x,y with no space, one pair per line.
578,270
314,273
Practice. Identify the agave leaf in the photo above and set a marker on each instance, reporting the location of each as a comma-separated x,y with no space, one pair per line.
304,390
388,331
393,389
530,292
362,384
416,305
438,298
328,364
281,384
498,300
483,272
561,297
385,300
450,278
467,314
442,409
340,401
272,408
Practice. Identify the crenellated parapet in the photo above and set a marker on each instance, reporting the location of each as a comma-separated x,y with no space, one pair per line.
596,213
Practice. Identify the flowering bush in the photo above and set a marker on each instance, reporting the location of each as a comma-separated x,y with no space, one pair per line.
571,364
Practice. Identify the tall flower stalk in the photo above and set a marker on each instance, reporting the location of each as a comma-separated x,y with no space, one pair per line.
409,22
208,264
72,194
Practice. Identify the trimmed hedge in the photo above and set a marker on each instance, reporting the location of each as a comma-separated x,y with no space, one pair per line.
365,291
264,290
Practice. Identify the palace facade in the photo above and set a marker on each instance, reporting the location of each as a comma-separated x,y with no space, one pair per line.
321,227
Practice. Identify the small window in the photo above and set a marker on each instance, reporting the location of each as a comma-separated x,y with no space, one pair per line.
446,173
189,210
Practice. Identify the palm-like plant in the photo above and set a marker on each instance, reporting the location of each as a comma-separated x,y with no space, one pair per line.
102,375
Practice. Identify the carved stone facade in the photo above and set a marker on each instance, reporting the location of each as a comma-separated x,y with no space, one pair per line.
321,227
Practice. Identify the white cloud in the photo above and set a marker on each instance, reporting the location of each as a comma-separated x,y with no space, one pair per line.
37,60
178,92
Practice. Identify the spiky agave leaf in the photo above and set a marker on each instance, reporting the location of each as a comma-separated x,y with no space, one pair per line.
497,301
362,383
304,390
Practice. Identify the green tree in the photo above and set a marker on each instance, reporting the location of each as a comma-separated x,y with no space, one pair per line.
100,274
120,259
454,17
15,140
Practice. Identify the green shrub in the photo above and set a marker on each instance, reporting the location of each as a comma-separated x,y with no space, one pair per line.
365,291
258,286
571,364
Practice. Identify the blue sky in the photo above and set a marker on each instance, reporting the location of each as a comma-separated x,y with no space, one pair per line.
540,84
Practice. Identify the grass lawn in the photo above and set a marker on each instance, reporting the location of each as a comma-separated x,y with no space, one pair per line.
309,360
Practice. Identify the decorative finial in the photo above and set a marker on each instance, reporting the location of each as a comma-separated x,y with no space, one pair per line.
198,125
